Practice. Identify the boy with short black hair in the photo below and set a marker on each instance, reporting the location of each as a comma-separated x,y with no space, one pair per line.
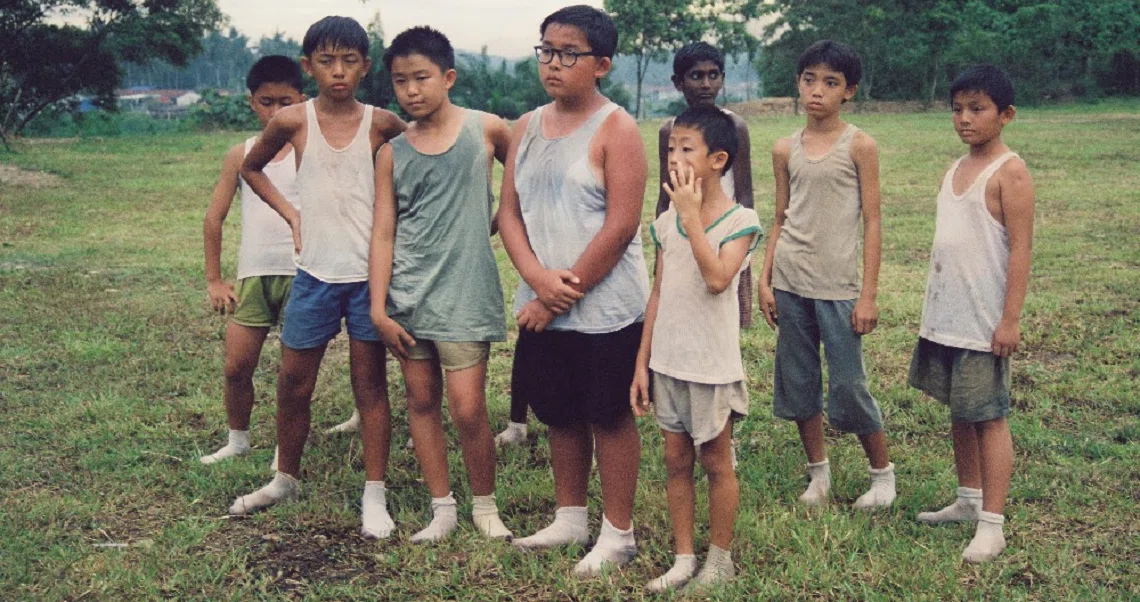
698,383
570,214
979,275
335,138
436,297
265,256
827,183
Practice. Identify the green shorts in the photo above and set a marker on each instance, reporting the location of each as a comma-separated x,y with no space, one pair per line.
974,384
261,300
453,356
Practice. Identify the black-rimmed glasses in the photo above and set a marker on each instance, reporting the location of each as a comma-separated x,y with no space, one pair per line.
567,58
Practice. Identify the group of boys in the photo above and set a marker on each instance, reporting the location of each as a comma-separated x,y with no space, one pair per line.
387,225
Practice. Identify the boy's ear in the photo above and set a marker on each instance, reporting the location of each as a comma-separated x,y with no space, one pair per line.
719,161
307,65
676,81
605,63
367,64
850,92
1008,114
449,78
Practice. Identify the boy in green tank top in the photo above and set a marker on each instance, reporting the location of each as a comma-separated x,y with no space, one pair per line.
436,297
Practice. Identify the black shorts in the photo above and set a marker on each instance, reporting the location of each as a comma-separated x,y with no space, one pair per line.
570,377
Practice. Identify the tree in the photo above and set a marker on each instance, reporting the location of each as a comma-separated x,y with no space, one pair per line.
649,29
52,50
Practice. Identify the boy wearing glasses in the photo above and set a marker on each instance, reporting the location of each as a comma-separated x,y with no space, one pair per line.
569,217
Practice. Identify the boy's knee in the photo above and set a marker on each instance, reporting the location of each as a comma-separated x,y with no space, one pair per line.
679,462
239,370
716,463
467,417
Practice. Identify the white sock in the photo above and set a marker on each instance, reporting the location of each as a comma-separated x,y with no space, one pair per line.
733,447
514,434
989,541
569,526
485,515
820,485
882,492
375,522
283,488
238,445
348,426
718,568
966,508
410,444
444,520
684,567
276,452
614,548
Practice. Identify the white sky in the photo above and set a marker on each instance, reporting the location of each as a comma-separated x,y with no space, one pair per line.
507,27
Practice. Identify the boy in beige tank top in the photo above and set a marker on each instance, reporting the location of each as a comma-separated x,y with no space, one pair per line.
827,183
979,274
335,139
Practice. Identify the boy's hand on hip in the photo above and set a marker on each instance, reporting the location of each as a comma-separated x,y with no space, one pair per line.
685,191
295,226
1007,337
395,337
535,316
865,317
222,296
767,304
639,392
554,290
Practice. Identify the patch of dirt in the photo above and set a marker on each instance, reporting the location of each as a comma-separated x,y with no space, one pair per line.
11,175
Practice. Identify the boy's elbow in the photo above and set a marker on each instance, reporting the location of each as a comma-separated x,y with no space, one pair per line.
717,285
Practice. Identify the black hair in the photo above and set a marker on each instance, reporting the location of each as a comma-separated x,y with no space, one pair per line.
693,53
422,40
337,32
599,28
715,126
836,55
991,80
274,69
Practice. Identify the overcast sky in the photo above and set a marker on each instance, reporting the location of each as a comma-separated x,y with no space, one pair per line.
507,27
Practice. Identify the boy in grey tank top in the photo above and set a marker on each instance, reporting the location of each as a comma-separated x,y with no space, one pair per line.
827,182
570,215
436,298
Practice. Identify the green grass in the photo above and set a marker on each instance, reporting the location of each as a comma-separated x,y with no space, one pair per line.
110,386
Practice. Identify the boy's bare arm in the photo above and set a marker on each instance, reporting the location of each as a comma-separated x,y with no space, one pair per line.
381,251
624,173
386,125
281,130
717,269
865,154
221,293
639,398
742,165
663,160
780,153
498,139
1017,205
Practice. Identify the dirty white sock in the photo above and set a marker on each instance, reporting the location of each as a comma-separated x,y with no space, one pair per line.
733,448
444,520
569,526
514,434
683,569
820,485
283,488
718,569
614,548
237,445
882,492
348,426
485,515
989,541
966,508
410,444
375,522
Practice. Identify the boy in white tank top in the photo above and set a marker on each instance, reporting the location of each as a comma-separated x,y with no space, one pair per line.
979,274
335,138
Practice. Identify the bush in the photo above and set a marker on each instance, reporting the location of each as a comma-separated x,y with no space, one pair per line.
217,112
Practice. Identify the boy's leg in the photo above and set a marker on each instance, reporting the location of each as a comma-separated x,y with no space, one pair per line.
681,493
571,451
370,390
967,463
619,458
724,492
423,386
997,468
243,349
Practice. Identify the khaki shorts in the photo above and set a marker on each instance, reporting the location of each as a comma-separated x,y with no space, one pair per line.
698,409
261,300
453,356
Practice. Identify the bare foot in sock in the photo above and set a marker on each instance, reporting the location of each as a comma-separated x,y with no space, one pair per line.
569,527
820,486
514,434
614,549
882,492
348,426
683,569
989,541
375,522
444,520
283,488
238,445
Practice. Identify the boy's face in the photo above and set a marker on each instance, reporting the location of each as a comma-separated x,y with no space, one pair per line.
700,84
687,148
271,97
976,117
337,70
822,90
578,79
421,85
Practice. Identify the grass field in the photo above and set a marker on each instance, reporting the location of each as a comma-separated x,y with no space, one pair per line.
110,389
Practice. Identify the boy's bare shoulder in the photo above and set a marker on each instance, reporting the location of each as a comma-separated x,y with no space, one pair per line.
235,154
863,142
490,120
620,123
291,117
782,147
1015,172
387,123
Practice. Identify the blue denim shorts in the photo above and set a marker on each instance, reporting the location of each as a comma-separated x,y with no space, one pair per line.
315,309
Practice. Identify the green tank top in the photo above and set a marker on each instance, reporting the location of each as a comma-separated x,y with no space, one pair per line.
445,282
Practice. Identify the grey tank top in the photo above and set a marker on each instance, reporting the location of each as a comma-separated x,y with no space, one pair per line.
563,205
445,283
817,254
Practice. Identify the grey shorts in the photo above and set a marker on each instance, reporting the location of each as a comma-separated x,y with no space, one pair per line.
798,388
698,409
975,384
453,356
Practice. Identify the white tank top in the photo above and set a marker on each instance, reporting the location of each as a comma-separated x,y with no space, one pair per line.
266,247
337,190
965,292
